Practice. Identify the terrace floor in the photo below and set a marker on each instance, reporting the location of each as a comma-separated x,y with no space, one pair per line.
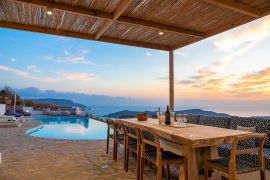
26,157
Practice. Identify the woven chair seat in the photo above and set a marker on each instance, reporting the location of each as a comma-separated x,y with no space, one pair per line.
148,148
120,138
166,156
242,166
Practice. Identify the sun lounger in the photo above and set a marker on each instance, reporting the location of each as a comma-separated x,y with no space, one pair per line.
4,120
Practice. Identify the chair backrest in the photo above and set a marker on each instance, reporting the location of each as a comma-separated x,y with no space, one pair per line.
110,123
150,137
119,127
132,132
241,150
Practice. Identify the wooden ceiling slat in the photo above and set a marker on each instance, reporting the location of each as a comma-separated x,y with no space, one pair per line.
236,6
109,16
183,22
31,28
118,12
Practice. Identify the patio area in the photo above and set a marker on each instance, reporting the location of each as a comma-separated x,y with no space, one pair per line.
155,24
27,157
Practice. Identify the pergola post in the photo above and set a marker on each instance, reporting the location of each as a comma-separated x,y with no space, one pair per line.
171,80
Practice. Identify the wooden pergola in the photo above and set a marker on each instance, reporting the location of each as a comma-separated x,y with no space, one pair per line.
156,24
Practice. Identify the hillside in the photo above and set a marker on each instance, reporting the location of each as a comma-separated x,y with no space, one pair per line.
59,102
151,113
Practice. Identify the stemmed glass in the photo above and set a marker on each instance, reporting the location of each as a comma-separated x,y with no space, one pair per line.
181,118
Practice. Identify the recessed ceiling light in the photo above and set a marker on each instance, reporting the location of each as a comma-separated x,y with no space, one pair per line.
49,11
161,33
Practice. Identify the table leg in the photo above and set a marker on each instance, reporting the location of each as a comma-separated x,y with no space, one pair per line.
195,159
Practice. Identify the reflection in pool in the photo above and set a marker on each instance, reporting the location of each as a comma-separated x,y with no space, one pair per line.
75,128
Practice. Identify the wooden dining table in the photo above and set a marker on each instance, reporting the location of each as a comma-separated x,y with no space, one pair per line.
198,142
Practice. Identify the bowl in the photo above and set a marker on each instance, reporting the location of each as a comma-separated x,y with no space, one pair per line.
142,117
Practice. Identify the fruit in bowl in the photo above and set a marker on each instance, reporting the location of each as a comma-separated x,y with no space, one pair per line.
142,117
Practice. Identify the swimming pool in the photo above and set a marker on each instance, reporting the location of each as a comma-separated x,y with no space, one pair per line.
74,128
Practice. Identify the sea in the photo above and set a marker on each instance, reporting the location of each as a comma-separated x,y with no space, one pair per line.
104,110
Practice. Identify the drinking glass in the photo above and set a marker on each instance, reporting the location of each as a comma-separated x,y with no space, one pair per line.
181,118
159,114
162,119
172,117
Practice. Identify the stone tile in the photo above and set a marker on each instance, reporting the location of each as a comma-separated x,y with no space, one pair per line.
30,158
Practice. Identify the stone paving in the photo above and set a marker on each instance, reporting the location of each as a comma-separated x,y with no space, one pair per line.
30,158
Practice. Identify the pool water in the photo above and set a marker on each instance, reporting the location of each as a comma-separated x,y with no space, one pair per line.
74,128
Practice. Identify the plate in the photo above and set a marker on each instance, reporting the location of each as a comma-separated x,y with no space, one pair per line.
181,125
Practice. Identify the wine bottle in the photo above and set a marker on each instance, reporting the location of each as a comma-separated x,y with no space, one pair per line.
167,116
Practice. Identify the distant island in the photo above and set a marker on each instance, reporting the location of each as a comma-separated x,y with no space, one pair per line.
59,102
151,113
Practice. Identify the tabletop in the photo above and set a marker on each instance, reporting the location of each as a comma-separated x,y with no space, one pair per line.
194,136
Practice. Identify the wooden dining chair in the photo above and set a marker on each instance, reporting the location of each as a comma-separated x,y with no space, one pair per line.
110,135
233,165
119,137
158,157
133,145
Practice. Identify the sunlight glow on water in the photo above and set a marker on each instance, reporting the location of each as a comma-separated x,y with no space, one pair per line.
75,128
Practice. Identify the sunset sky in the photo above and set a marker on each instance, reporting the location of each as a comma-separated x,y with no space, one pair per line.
233,66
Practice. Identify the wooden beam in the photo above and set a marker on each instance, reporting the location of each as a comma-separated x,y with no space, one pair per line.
215,31
171,80
67,8
109,16
118,12
236,6
154,25
265,10
58,32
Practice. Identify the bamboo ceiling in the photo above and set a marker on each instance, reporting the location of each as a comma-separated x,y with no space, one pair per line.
132,22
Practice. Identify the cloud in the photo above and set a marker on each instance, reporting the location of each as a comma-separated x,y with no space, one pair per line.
78,58
12,59
164,78
83,77
66,52
33,68
165,70
251,33
254,82
16,71
27,75
47,58
147,53
179,52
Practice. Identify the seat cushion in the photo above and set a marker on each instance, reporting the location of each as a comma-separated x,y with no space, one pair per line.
148,148
242,166
166,156
225,151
